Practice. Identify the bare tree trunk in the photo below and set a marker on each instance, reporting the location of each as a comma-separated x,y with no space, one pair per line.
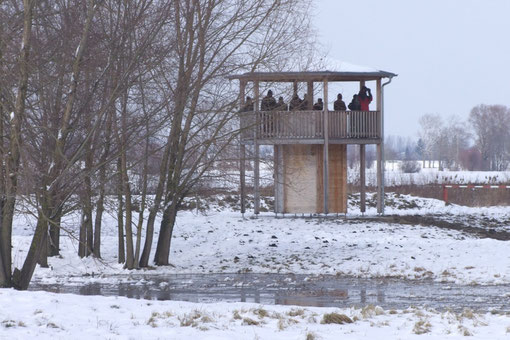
43,257
144,196
13,158
102,184
144,260
126,187
165,235
54,237
120,214
34,252
82,239
87,200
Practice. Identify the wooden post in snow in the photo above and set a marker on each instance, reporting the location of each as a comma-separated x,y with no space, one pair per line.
242,154
256,170
362,168
380,150
326,149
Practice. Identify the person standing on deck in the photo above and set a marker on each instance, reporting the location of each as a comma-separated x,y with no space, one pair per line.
295,102
281,105
365,98
319,106
248,106
268,103
339,104
355,104
304,103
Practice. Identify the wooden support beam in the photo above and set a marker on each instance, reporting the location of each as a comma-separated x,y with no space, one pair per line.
242,94
256,170
278,179
380,152
309,95
326,149
362,168
242,155
242,168
379,179
294,87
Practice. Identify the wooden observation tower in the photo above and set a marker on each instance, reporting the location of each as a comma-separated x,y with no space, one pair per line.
310,146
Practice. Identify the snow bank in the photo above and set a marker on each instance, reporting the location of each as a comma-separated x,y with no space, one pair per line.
41,315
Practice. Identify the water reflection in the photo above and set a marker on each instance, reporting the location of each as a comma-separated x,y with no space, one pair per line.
301,290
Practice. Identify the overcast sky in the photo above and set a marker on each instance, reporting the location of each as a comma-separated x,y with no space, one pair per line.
450,55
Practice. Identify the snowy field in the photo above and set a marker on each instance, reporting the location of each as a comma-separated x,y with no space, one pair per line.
219,240
30,315
393,176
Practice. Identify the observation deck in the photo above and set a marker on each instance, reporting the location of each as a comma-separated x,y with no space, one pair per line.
307,127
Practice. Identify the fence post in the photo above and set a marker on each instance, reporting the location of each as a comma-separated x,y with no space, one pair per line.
445,194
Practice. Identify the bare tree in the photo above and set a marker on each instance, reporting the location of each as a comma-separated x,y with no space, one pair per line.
491,125
214,39
11,159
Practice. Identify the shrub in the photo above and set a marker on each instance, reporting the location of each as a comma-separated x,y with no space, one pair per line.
410,167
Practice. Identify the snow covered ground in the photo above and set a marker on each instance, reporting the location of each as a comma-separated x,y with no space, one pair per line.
42,315
221,241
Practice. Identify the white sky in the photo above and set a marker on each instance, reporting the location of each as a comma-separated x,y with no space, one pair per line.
450,55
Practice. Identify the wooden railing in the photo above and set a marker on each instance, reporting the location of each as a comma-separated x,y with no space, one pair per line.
281,125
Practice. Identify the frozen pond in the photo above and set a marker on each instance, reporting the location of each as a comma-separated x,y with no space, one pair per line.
302,290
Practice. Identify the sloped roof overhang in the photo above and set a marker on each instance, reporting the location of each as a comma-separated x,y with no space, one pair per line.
314,76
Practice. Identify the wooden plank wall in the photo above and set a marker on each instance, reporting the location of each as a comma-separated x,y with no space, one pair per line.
337,194
300,163
303,174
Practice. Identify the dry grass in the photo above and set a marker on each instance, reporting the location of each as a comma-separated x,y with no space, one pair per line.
336,318
422,327
9,323
464,331
195,319
296,312
371,311
310,336
250,322
260,312
236,315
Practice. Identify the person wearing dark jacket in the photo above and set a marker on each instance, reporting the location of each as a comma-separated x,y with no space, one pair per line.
248,105
281,105
304,103
268,103
295,102
319,106
355,104
339,104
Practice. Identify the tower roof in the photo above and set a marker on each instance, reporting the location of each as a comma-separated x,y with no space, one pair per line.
334,70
